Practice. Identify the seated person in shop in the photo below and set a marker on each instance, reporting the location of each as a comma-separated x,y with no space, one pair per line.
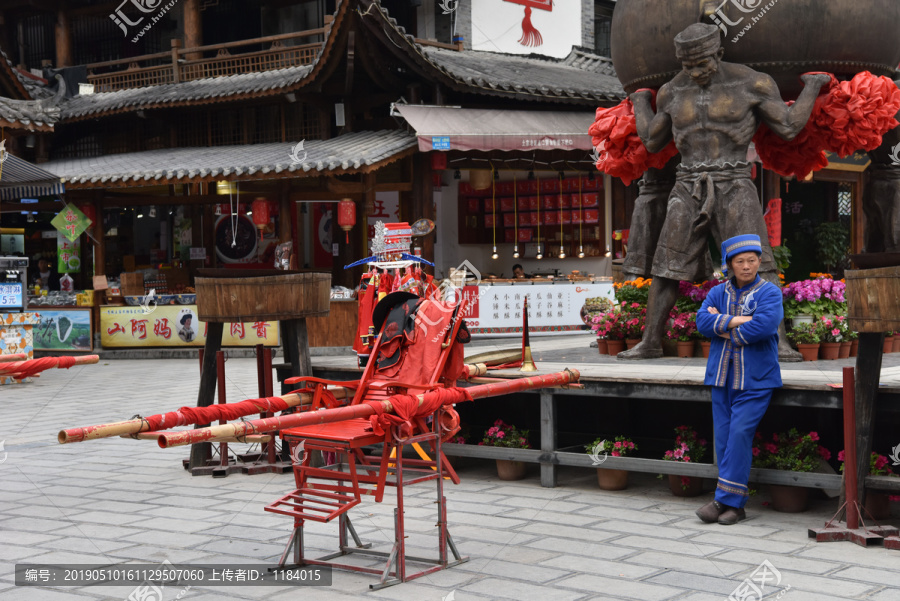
519,272
741,316
45,276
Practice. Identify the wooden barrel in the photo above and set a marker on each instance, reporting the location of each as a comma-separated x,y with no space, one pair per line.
873,299
262,298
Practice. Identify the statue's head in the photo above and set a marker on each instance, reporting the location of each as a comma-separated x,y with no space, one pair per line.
699,48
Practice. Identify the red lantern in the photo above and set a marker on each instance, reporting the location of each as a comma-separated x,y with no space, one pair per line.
347,216
260,208
88,210
438,161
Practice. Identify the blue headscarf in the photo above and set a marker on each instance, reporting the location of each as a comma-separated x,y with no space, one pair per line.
737,245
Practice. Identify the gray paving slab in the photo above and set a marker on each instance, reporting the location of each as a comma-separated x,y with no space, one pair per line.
128,501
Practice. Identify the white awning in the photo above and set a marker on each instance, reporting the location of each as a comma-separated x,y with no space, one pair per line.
447,128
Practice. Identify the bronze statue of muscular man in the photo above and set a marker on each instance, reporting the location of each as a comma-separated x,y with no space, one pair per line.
712,109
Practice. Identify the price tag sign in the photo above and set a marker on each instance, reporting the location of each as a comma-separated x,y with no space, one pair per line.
11,295
198,253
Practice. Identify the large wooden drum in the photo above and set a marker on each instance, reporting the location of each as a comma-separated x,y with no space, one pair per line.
237,295
873,299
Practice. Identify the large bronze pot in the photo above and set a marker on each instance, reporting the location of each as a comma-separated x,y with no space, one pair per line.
789,38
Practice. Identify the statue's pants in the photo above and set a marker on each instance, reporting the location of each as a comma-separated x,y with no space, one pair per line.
736,415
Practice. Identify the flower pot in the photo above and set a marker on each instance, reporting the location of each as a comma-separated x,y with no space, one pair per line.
829,350
789,499
888,344
631,342
602,346
854,348
686,349
802,318
878,505
896,348
612,479
704,348
844,353
614,347
670,347
510,470
685,486
810,351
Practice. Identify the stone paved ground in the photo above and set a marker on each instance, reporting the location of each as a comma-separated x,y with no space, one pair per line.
117,501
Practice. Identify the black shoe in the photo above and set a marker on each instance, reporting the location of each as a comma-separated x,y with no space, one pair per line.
732,516
710,512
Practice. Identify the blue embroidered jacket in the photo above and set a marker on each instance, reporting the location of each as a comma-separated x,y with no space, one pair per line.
752,346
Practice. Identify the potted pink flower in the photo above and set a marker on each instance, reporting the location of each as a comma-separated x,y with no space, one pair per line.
502,434
683,329
600,450
689,448
831,335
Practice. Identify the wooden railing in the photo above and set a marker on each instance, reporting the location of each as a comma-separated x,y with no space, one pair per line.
187,64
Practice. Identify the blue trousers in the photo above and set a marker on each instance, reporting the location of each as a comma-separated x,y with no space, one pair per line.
736,415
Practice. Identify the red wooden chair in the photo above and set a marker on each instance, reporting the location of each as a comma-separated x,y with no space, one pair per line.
426,362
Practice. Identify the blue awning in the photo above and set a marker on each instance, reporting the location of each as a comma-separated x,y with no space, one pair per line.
21,179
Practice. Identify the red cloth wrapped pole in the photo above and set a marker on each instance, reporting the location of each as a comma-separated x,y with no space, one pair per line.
367,409
26,369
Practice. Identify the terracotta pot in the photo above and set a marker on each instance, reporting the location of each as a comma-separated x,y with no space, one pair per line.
510,470
854,348
614,347
612,479
878,505
704,348
810,351
670,347
829,350
888,344
844,353
602,347
789,499
896,348
685,486
686,349
631,342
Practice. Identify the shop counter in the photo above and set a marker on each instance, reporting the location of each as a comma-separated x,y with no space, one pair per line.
17,337
175,326
494,308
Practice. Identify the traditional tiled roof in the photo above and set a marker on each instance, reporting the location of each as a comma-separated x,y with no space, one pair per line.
349,153
580,77
199,91
34,115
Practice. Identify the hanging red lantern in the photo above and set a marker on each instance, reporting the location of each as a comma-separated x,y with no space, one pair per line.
89,212
347,216
260,208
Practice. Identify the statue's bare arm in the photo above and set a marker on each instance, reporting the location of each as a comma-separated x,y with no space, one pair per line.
654,129
786,121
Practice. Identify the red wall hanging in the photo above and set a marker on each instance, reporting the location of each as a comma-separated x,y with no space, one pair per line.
530,35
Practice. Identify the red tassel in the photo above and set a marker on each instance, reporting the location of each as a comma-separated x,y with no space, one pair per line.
530,35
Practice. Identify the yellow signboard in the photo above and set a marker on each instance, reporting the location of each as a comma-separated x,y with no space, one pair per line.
175,326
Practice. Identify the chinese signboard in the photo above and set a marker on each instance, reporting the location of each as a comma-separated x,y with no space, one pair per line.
68,254
71,222
11,295
497,310
175,326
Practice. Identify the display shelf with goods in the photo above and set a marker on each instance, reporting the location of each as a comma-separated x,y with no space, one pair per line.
517,210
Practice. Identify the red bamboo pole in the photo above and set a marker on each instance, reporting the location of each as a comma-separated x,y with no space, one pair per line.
33,366
282,422
136,426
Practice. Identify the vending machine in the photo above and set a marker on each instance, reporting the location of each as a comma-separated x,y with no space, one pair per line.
13,284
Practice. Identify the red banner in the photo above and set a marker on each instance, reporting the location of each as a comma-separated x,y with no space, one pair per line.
773,221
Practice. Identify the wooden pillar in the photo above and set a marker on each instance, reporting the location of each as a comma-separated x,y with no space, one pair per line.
868,373
422,200
202,451
100,248
548,438
64,54
193,28
284,211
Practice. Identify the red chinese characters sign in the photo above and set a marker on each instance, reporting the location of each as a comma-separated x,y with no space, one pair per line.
175,326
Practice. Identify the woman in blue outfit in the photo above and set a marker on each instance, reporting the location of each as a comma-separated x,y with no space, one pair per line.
741,316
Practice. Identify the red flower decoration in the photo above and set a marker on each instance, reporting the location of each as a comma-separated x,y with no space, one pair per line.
622,154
